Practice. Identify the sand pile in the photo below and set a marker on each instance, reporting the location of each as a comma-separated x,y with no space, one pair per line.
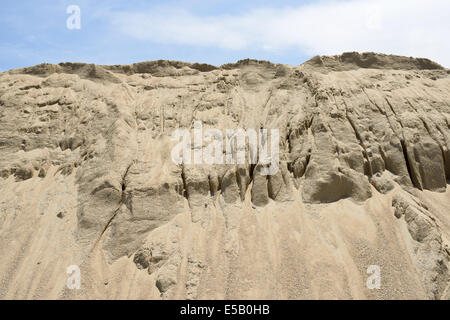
87,179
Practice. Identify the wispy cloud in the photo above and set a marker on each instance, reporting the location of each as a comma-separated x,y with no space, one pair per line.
406,27
220,31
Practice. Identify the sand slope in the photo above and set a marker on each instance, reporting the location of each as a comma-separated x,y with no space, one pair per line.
86,178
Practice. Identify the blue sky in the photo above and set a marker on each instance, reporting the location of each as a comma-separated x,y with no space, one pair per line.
220,31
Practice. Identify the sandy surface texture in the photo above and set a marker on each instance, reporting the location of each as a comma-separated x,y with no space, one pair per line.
87,180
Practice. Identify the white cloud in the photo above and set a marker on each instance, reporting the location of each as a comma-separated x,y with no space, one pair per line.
418,28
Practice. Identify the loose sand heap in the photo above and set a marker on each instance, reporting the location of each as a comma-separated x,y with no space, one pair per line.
86,179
